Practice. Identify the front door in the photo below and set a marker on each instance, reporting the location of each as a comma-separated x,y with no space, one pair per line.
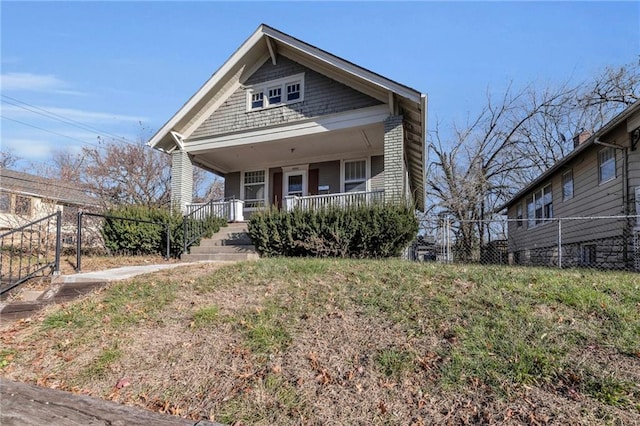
295,183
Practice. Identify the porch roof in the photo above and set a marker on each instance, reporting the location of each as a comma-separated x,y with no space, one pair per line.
267,42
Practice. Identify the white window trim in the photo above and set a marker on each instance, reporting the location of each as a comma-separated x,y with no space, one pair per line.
367,161
266,187
278,83
615,166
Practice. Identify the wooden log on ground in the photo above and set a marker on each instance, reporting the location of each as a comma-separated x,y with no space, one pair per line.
25,405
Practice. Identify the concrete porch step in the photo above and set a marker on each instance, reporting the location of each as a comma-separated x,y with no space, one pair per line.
237,240
234,248
199,257
231,243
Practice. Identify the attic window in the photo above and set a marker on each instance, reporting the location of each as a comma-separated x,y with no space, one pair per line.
293,91
275,93
257,100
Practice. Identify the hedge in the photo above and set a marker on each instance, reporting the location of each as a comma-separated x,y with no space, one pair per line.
362,232
138,238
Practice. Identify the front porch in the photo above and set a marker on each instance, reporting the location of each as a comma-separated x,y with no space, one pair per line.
234,210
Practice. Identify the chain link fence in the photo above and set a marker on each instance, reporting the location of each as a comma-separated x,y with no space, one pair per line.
602,242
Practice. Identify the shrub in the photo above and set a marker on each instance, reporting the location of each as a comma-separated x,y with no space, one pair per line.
130,237
364,232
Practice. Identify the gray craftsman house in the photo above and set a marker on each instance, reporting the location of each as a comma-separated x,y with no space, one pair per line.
599,179
288,124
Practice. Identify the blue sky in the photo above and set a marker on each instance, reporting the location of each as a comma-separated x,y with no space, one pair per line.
113,65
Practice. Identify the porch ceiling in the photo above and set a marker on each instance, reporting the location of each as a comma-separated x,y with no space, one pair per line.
325,146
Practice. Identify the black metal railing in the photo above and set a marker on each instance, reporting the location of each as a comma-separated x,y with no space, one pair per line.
29,250
194,223
166,226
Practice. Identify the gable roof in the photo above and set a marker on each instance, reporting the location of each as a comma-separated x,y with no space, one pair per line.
266,42
593,140
41,187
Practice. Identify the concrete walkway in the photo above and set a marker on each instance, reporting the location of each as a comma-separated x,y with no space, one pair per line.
117,274
67,287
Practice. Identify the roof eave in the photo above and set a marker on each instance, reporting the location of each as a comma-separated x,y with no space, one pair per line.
626,113
162,139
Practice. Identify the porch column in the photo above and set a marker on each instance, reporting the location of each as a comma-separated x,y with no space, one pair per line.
181,180
393,158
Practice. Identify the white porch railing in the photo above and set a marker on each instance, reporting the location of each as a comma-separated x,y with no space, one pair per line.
232,210
345,199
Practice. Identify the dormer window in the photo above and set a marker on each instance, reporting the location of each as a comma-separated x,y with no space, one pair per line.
257,100
293,91
275,93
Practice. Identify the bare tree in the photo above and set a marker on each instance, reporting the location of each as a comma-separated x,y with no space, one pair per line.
514,139
127,173
8,159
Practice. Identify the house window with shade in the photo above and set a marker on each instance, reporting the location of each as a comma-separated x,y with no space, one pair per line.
606,165
355,175
567,185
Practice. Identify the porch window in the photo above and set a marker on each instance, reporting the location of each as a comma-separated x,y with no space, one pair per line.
276,92
606,165
567,185
355,176
254,188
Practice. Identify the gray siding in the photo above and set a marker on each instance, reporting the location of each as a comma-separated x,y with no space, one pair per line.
377,172
591,198
322,96
328,175
232,185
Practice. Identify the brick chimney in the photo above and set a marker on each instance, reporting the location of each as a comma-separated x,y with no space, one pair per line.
581,138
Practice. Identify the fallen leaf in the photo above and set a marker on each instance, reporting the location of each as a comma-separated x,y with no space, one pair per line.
123,383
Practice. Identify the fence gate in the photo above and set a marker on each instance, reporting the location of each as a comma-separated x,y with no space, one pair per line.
30,250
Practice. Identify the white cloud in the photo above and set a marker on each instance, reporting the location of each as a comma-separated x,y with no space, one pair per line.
23,81
34,149
79,115
28,81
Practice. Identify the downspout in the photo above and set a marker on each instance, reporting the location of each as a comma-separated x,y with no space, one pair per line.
625,172
625,191
425,150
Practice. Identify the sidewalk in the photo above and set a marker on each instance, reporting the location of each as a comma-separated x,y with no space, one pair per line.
67,287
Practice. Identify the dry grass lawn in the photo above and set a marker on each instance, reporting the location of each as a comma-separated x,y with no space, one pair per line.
306,341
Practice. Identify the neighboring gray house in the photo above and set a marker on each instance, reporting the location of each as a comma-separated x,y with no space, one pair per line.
600,177
288,124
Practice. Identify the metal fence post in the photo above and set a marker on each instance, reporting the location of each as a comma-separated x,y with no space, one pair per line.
79,243
559,243
184,233
168,240
56,268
